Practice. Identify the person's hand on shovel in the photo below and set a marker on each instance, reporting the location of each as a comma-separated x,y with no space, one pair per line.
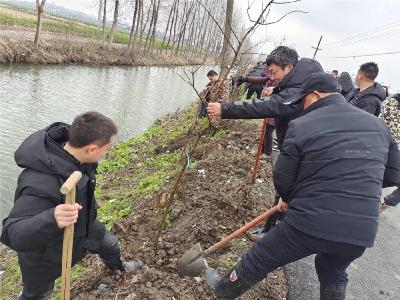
214,109
282,206
66,214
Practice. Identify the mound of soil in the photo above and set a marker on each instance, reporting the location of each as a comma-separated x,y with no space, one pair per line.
209,206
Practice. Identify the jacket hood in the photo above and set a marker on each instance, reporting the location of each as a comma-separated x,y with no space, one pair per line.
377,90
43,151
301,70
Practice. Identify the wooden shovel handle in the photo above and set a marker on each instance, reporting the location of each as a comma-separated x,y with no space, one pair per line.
259,150
68,189
241,230
71,183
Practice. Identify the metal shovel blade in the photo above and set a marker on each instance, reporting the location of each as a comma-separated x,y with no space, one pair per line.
192,263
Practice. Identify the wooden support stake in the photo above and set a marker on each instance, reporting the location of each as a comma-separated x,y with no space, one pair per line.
68,189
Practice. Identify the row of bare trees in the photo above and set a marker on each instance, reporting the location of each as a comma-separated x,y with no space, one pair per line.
181,26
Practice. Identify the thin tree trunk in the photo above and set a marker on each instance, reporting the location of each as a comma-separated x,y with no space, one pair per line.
227,35
135,13
139,22
114,23
153,35
104,20
170,17
175,21
40,8
100,12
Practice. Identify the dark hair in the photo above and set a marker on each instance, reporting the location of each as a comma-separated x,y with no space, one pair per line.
91,127
369,70
211,73
345,82
335,71
282,56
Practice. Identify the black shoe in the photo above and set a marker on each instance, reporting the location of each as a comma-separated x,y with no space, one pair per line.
232,285
333,291
256,235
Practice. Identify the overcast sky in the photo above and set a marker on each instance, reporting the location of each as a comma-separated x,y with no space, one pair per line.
375,22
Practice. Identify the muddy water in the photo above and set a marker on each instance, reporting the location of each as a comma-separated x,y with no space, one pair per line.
31,97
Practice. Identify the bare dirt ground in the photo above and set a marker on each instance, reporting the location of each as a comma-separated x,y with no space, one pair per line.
208,207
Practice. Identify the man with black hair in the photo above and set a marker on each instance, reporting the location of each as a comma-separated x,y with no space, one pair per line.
284,66
370,94
332,211
34,227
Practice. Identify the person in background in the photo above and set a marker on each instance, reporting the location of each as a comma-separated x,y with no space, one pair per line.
335,73
369,95
205,94
346,85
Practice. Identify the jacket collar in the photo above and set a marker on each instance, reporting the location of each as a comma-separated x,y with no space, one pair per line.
329,100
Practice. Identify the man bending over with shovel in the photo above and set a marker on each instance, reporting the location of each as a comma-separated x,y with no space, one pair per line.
34,227
334,161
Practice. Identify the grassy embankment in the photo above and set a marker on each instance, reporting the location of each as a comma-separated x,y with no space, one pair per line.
12,17
149,175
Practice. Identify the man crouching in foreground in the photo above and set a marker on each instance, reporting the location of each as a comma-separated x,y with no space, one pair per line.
334,161
35,225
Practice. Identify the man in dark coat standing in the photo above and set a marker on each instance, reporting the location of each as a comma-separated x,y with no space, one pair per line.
34,227
370,94
285,67
334,162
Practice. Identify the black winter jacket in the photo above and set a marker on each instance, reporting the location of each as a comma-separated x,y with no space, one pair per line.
276,105
369,99
334,162
31,226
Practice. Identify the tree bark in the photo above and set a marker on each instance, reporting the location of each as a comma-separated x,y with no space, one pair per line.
40,8
115,21
135,15
227,34
104,20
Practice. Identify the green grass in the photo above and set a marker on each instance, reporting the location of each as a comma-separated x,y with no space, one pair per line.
11,284
68,27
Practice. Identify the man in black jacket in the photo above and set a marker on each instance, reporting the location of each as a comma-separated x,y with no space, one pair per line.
333,164
34,227
284,65
370,94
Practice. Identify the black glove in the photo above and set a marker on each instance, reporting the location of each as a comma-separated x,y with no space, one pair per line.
241,80
393,199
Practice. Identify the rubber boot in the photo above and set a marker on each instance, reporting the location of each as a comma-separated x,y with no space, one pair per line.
122,265
230,286
332,291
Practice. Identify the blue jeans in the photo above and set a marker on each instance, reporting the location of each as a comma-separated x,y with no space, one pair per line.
285,244
108,251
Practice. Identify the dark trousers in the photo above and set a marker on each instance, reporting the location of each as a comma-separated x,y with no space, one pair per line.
267,143
285,244
42,289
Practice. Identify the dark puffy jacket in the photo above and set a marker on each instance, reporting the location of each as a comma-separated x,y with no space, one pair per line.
334,162
369,99
276,105
31,228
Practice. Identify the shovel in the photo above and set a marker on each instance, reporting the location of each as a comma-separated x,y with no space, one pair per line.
259,150
192,263
69,190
